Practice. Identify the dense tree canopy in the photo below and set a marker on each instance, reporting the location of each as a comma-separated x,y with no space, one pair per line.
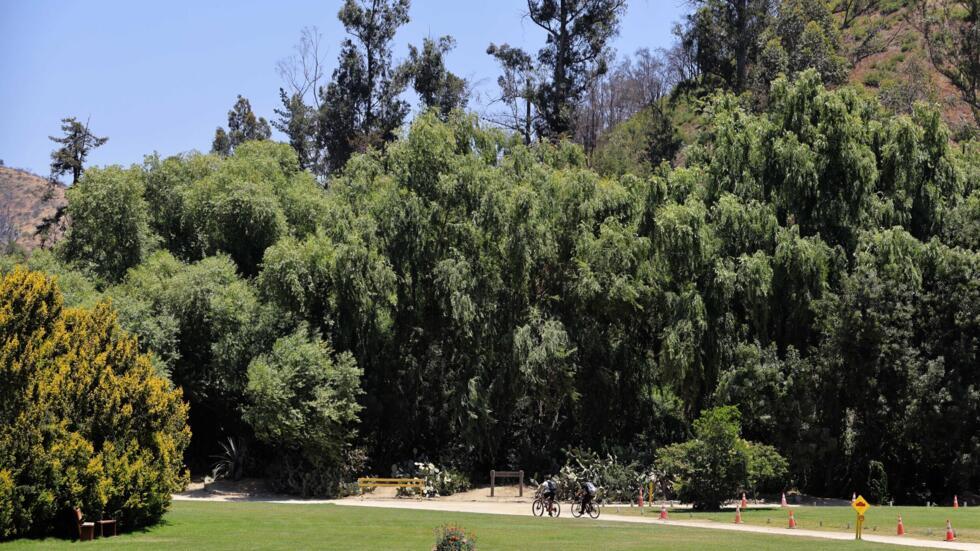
746,255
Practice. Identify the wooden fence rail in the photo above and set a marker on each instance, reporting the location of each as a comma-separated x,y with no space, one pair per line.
494,475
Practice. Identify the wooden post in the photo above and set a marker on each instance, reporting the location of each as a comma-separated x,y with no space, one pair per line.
521,488
493,480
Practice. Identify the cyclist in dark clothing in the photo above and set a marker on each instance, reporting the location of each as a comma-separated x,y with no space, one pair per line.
549,491
588,494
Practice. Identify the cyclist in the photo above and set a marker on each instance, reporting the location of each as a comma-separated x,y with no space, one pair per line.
549,490
588,493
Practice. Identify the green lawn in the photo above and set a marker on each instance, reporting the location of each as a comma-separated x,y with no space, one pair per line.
215,526
919,521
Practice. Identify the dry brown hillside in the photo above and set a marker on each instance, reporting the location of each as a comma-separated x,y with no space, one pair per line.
889,57
27,199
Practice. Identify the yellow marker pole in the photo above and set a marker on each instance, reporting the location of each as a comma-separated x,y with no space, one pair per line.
860,505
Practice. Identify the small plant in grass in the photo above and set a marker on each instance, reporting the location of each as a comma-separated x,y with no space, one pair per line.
454,538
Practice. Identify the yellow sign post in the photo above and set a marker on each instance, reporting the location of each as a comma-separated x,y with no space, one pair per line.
860,505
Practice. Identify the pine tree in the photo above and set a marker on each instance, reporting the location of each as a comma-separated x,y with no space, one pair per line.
76,144
436,86
298,121
361,107
243,126
575,53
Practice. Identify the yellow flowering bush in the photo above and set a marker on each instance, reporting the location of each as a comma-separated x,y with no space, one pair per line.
85,421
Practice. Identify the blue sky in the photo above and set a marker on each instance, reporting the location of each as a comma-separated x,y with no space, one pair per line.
157,76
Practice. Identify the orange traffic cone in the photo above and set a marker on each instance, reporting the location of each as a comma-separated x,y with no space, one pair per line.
738,515
744,502
663,512
950,534
783,502
901,527
956,503
792,521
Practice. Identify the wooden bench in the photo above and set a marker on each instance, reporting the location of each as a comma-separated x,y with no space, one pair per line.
106,528
86,530
369,482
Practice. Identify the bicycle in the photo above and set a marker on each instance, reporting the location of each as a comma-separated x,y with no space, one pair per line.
592,509
539,506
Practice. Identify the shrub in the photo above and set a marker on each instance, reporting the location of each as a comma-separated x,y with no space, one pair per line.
616,481
109,231
84,419
454,538
717,464
303,402
443,482
877,482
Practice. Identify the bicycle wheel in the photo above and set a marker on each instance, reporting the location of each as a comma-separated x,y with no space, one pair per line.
556,509
594,510
537,508
576,509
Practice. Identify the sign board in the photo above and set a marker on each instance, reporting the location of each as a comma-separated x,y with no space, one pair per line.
860,505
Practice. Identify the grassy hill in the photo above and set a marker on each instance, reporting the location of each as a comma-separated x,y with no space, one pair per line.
27,199
886,54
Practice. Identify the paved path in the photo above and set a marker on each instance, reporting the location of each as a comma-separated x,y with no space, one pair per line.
523,509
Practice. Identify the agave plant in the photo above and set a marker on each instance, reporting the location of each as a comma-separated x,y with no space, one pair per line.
230,463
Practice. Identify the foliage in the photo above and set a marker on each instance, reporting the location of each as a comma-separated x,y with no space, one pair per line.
804,35
437,87
84,421
302,400
638,145
576,51
243,126
109,231
361,106
450,537
444,481
230,463
812,264
716,464
723,37
76,144
617,481
201,320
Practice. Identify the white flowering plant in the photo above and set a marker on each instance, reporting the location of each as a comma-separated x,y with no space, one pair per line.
438,481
